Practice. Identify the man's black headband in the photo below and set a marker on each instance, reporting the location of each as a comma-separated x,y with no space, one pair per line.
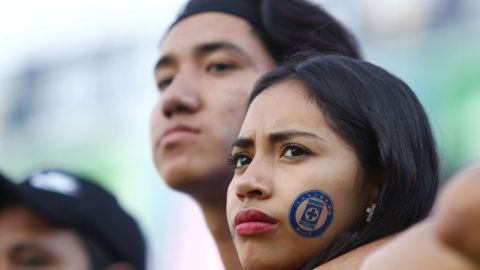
248,10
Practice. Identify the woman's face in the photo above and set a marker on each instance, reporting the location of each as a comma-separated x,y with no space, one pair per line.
297,184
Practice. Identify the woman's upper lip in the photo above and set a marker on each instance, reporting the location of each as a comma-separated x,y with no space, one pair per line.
252,215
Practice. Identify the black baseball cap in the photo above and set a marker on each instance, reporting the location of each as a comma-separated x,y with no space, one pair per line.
75,202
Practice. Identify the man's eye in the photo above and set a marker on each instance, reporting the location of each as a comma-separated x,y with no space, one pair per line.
163,84
238,161
36,262
219,67
32,261
293,151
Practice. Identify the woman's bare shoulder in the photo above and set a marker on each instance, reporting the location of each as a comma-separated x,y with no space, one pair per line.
353,259
449,239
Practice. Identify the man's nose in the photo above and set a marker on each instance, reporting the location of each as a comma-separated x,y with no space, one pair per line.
182,96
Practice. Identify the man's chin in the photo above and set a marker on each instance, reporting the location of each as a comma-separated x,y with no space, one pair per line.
182,181
199,182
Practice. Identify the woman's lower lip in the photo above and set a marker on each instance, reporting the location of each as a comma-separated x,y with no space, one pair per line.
249,228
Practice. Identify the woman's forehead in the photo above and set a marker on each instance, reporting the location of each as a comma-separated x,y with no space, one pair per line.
283,106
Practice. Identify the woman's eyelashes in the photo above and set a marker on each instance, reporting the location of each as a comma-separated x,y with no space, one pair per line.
294,151
238,161
289,151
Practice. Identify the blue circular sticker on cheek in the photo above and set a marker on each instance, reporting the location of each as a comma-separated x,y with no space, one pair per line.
311,213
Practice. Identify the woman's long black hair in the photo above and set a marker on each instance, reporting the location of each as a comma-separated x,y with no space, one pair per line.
382,119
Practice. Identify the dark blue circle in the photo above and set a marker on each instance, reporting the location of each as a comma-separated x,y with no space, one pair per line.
314,193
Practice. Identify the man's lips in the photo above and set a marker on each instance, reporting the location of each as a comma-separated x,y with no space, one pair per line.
177,133
248,222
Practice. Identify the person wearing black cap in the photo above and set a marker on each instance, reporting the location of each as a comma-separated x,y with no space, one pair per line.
57,220
210,58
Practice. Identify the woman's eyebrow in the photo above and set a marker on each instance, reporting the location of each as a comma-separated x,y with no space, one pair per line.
275,137
285,135
242,143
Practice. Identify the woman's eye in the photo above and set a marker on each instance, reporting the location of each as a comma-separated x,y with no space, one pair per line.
219,67
239,161
163,84
293,151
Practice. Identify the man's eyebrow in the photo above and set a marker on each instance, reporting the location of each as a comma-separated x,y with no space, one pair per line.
165,60
215,46
285,135
242,143
202,50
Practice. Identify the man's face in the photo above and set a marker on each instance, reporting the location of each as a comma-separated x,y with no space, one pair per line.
28,241
209,63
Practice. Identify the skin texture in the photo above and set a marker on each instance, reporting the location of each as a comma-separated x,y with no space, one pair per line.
286,147
354,258
458,216
27,241
447,240
417,248
207,68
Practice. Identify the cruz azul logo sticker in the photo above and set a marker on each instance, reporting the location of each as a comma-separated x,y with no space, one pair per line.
311,213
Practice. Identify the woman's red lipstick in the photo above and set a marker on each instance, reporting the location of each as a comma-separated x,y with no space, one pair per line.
248,222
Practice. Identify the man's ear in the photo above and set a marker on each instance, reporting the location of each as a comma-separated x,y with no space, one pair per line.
120,266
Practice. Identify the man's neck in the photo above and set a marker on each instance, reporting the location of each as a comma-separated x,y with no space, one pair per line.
215,216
